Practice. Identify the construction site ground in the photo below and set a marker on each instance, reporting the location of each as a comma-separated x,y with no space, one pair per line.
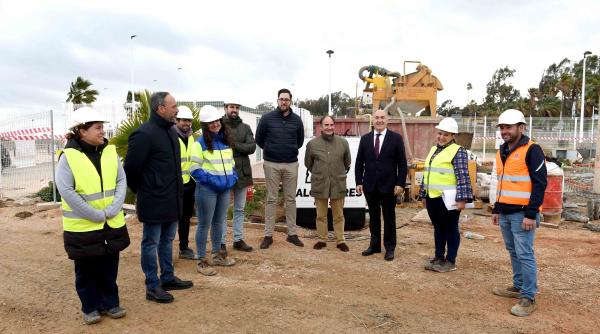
299,290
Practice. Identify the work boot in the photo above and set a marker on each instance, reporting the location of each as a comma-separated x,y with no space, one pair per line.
432,262
320,245
187,254
242,246
444,267
293,239
343,247
266,242
224,249
92,318
115,312
523,308
159,295
204,268
220,259
510,292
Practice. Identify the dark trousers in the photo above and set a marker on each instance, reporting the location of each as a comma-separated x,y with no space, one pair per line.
183,228
382,202
96,282
445,228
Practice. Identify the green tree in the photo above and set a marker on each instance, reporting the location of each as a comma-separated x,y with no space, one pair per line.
265,106
447,109
501,95
80,92
341,104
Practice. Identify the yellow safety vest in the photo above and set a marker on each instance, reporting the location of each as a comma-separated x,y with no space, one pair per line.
439,173
514,183
87,185
186,158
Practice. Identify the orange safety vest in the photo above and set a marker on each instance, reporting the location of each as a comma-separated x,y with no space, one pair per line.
514,183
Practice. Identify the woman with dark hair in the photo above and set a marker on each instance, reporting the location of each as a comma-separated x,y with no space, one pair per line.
92,185
213,170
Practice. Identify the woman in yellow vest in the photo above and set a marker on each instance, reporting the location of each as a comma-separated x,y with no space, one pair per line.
446,170
213,170
92,185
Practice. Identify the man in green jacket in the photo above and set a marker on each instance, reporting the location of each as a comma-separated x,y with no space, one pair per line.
244,145
328,160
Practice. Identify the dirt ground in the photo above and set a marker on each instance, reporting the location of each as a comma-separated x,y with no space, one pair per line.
300,290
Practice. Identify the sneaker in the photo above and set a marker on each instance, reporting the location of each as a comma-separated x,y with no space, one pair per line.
444,267
266,242
432,262
115,312
523,308
159,295
224,249
204,268
343,247
510,292
293,239
176,284
187,254
319,245
220,259
242,246
92,317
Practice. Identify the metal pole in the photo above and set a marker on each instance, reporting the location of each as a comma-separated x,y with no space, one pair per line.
530,125
53,156
575,135
131,72
329,112
484,134
583,96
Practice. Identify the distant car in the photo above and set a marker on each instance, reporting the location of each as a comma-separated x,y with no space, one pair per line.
6,162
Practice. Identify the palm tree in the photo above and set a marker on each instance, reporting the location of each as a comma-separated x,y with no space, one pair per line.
469,87
80,92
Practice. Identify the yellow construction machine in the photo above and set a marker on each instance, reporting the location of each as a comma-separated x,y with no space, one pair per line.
413,93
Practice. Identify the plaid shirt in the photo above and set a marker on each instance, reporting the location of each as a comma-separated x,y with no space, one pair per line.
464,193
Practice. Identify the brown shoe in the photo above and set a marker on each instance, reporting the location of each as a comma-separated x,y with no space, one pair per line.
266,242
293,239
510,292
343,247
220,259
523,308
204,268
320,245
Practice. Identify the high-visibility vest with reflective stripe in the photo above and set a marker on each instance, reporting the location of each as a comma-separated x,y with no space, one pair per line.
218,162
186,158
514,183
87,185
439,173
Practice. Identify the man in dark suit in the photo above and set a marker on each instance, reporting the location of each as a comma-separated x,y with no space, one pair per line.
380,172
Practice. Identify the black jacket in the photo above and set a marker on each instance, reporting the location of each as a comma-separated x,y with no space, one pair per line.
386,171
280,136
80,245
153,169
243,146
536,164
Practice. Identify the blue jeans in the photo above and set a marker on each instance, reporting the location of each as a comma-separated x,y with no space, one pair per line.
519,244
239,202
212,211
158,239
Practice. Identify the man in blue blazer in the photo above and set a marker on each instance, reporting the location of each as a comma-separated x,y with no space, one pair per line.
380,173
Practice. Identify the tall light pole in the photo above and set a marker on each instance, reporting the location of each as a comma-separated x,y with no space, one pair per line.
329,52
585,54
131,70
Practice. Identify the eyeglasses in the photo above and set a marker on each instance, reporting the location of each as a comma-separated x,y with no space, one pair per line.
284,100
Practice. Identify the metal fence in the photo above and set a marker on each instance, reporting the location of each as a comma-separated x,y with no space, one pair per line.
28,144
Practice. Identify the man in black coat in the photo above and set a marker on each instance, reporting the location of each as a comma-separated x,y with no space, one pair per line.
153,169
380,173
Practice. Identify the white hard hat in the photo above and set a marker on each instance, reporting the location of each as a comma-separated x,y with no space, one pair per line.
511,116
184,112
448,124
209,114
232,102
85,115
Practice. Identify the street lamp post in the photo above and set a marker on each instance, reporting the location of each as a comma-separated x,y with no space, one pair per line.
585,54
330,113
131,70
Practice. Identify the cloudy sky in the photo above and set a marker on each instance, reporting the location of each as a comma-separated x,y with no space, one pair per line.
247,50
